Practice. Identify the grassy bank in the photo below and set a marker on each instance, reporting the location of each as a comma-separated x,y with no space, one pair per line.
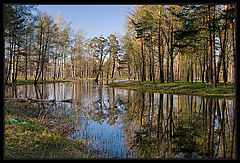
37,137
179,87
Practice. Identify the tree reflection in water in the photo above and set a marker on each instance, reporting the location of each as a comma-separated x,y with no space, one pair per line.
128,123
195,127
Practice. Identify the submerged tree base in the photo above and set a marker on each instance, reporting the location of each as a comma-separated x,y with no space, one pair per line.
198,88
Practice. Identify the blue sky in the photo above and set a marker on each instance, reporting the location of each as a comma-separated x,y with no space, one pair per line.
92,19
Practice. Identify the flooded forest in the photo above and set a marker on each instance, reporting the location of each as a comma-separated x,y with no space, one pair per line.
165,89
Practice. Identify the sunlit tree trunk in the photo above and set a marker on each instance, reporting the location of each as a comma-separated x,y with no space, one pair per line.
213,53
160,53
26,57
113,69
232,28
210,73
222,49
143,61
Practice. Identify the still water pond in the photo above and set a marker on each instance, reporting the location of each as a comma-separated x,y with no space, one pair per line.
121,123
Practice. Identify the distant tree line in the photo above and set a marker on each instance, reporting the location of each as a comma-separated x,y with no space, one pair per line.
162,43
39,47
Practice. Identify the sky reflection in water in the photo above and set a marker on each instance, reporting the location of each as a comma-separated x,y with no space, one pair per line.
126,123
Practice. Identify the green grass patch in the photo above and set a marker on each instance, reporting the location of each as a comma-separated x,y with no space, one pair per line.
34,141
37,139
179,87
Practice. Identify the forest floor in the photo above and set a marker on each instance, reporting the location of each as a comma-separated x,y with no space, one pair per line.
30,134
179,87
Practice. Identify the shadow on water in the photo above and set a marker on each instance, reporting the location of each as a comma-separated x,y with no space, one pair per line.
126,123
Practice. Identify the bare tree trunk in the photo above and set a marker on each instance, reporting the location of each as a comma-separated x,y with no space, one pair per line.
207,64
178,67
16,71
171,51
26,61
150,61
167,76
129,71
222,49
143,61
100,66
210,47
113,67
54,69
10,61
153,73
213,53
203,65
195,69
224,70
191,67
171,69
14,63
160,56
233,50
39,57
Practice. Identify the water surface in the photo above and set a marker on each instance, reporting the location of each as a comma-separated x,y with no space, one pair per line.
122,123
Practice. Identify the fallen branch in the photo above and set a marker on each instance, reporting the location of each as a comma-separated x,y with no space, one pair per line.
66,100
37,100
